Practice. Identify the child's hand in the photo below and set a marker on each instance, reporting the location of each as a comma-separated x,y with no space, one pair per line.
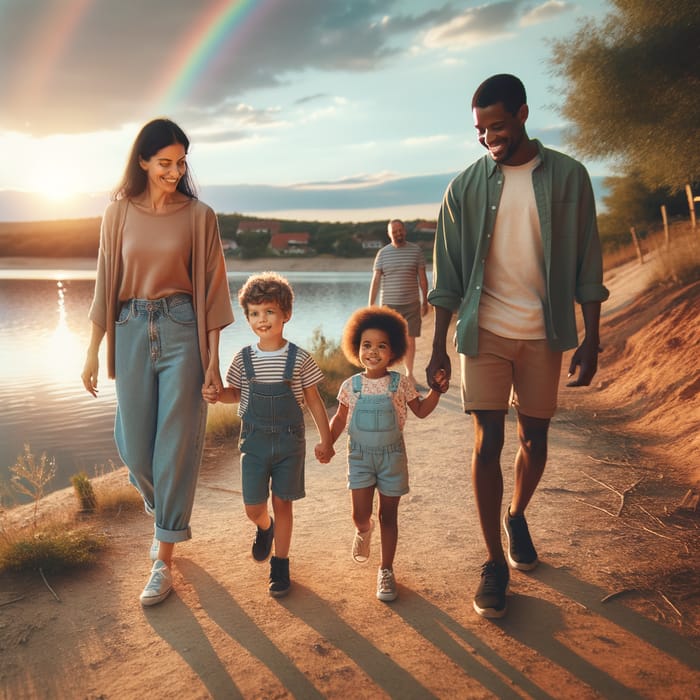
210,393
442,383
324,453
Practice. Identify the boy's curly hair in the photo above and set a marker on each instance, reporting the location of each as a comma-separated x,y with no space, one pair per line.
376,318
266,286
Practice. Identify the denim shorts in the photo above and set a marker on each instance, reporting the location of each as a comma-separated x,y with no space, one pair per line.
272,459
383,467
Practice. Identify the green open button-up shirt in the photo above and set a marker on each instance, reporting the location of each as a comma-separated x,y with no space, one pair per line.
572,256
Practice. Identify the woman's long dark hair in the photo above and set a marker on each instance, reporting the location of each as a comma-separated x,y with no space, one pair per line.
154,136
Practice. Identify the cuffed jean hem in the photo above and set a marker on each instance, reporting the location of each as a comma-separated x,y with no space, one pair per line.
173,536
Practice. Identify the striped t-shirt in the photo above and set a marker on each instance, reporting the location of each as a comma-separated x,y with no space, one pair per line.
399,268
268,366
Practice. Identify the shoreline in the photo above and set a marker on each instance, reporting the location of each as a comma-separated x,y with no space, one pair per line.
319,263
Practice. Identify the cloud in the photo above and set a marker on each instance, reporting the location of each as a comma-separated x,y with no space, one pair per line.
311,98
474,26
66,71
490,21
425,140
544,12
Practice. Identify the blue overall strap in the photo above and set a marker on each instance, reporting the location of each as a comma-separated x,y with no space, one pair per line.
394,383
248,363
289,366
357,383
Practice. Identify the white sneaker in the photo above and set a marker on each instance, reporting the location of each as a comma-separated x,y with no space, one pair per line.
159,584
386,585
153,552
360,545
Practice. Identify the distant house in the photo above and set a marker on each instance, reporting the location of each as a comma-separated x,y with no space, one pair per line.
372,244
290,243
423,227
258,226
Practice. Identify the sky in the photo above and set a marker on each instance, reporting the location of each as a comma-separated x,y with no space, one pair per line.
307,109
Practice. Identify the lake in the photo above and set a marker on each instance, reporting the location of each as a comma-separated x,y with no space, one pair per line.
45,332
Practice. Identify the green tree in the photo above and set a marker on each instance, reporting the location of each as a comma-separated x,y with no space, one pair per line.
253,244
630,85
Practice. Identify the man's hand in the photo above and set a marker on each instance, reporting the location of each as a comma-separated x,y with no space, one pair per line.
586,360
439,371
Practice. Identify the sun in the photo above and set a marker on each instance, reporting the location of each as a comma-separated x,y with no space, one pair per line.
60,183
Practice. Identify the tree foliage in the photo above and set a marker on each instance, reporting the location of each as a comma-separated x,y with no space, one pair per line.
631,87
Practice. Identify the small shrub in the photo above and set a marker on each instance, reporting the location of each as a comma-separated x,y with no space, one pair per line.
332,362
30,478
84,492
114,497
52,549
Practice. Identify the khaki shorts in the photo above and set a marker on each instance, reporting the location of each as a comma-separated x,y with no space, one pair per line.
411,312
520,373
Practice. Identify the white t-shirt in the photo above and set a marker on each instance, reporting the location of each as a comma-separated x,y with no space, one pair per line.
513,296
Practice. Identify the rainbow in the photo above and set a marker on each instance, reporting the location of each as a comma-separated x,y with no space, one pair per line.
201,46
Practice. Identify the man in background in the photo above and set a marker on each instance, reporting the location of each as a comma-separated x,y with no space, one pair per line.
399,269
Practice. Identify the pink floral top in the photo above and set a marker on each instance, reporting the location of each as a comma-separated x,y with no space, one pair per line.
406,392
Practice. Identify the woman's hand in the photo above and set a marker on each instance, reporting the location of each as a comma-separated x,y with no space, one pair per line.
212,379
90,372
210,393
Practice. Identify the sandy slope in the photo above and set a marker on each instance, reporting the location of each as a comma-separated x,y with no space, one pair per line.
605,521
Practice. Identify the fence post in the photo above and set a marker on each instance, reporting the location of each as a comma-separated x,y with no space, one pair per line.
664,216
635,239
691,205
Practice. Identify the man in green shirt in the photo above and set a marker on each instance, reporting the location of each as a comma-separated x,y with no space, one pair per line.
516,246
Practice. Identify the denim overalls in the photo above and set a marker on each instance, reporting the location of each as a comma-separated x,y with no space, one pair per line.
376,450
161,416
272,442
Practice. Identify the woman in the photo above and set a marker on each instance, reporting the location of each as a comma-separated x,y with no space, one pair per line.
161,298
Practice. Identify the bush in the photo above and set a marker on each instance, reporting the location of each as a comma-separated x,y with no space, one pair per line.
52,549
335,367
84,491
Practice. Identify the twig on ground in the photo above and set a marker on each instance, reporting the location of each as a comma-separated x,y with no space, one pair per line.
670,604
653,517
611,462
586,503
41,571
610,596
658,534
14,600
621,494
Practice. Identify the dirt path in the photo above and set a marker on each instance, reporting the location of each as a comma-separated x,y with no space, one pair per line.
220,635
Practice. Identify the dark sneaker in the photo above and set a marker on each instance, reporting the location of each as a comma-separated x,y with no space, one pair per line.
521,552
490,597
262,544
279,577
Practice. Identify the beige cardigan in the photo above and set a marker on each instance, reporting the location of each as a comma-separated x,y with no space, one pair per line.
211,296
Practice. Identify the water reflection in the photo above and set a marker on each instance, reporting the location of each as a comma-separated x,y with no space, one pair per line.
45,333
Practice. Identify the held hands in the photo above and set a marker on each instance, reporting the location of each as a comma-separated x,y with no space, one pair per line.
324,453
210,393
440,382
211,389
439,371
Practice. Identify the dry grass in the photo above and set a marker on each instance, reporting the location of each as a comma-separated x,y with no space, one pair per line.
58,544
679,262
223,422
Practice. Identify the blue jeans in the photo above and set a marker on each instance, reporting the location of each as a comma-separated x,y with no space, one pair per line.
161,416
